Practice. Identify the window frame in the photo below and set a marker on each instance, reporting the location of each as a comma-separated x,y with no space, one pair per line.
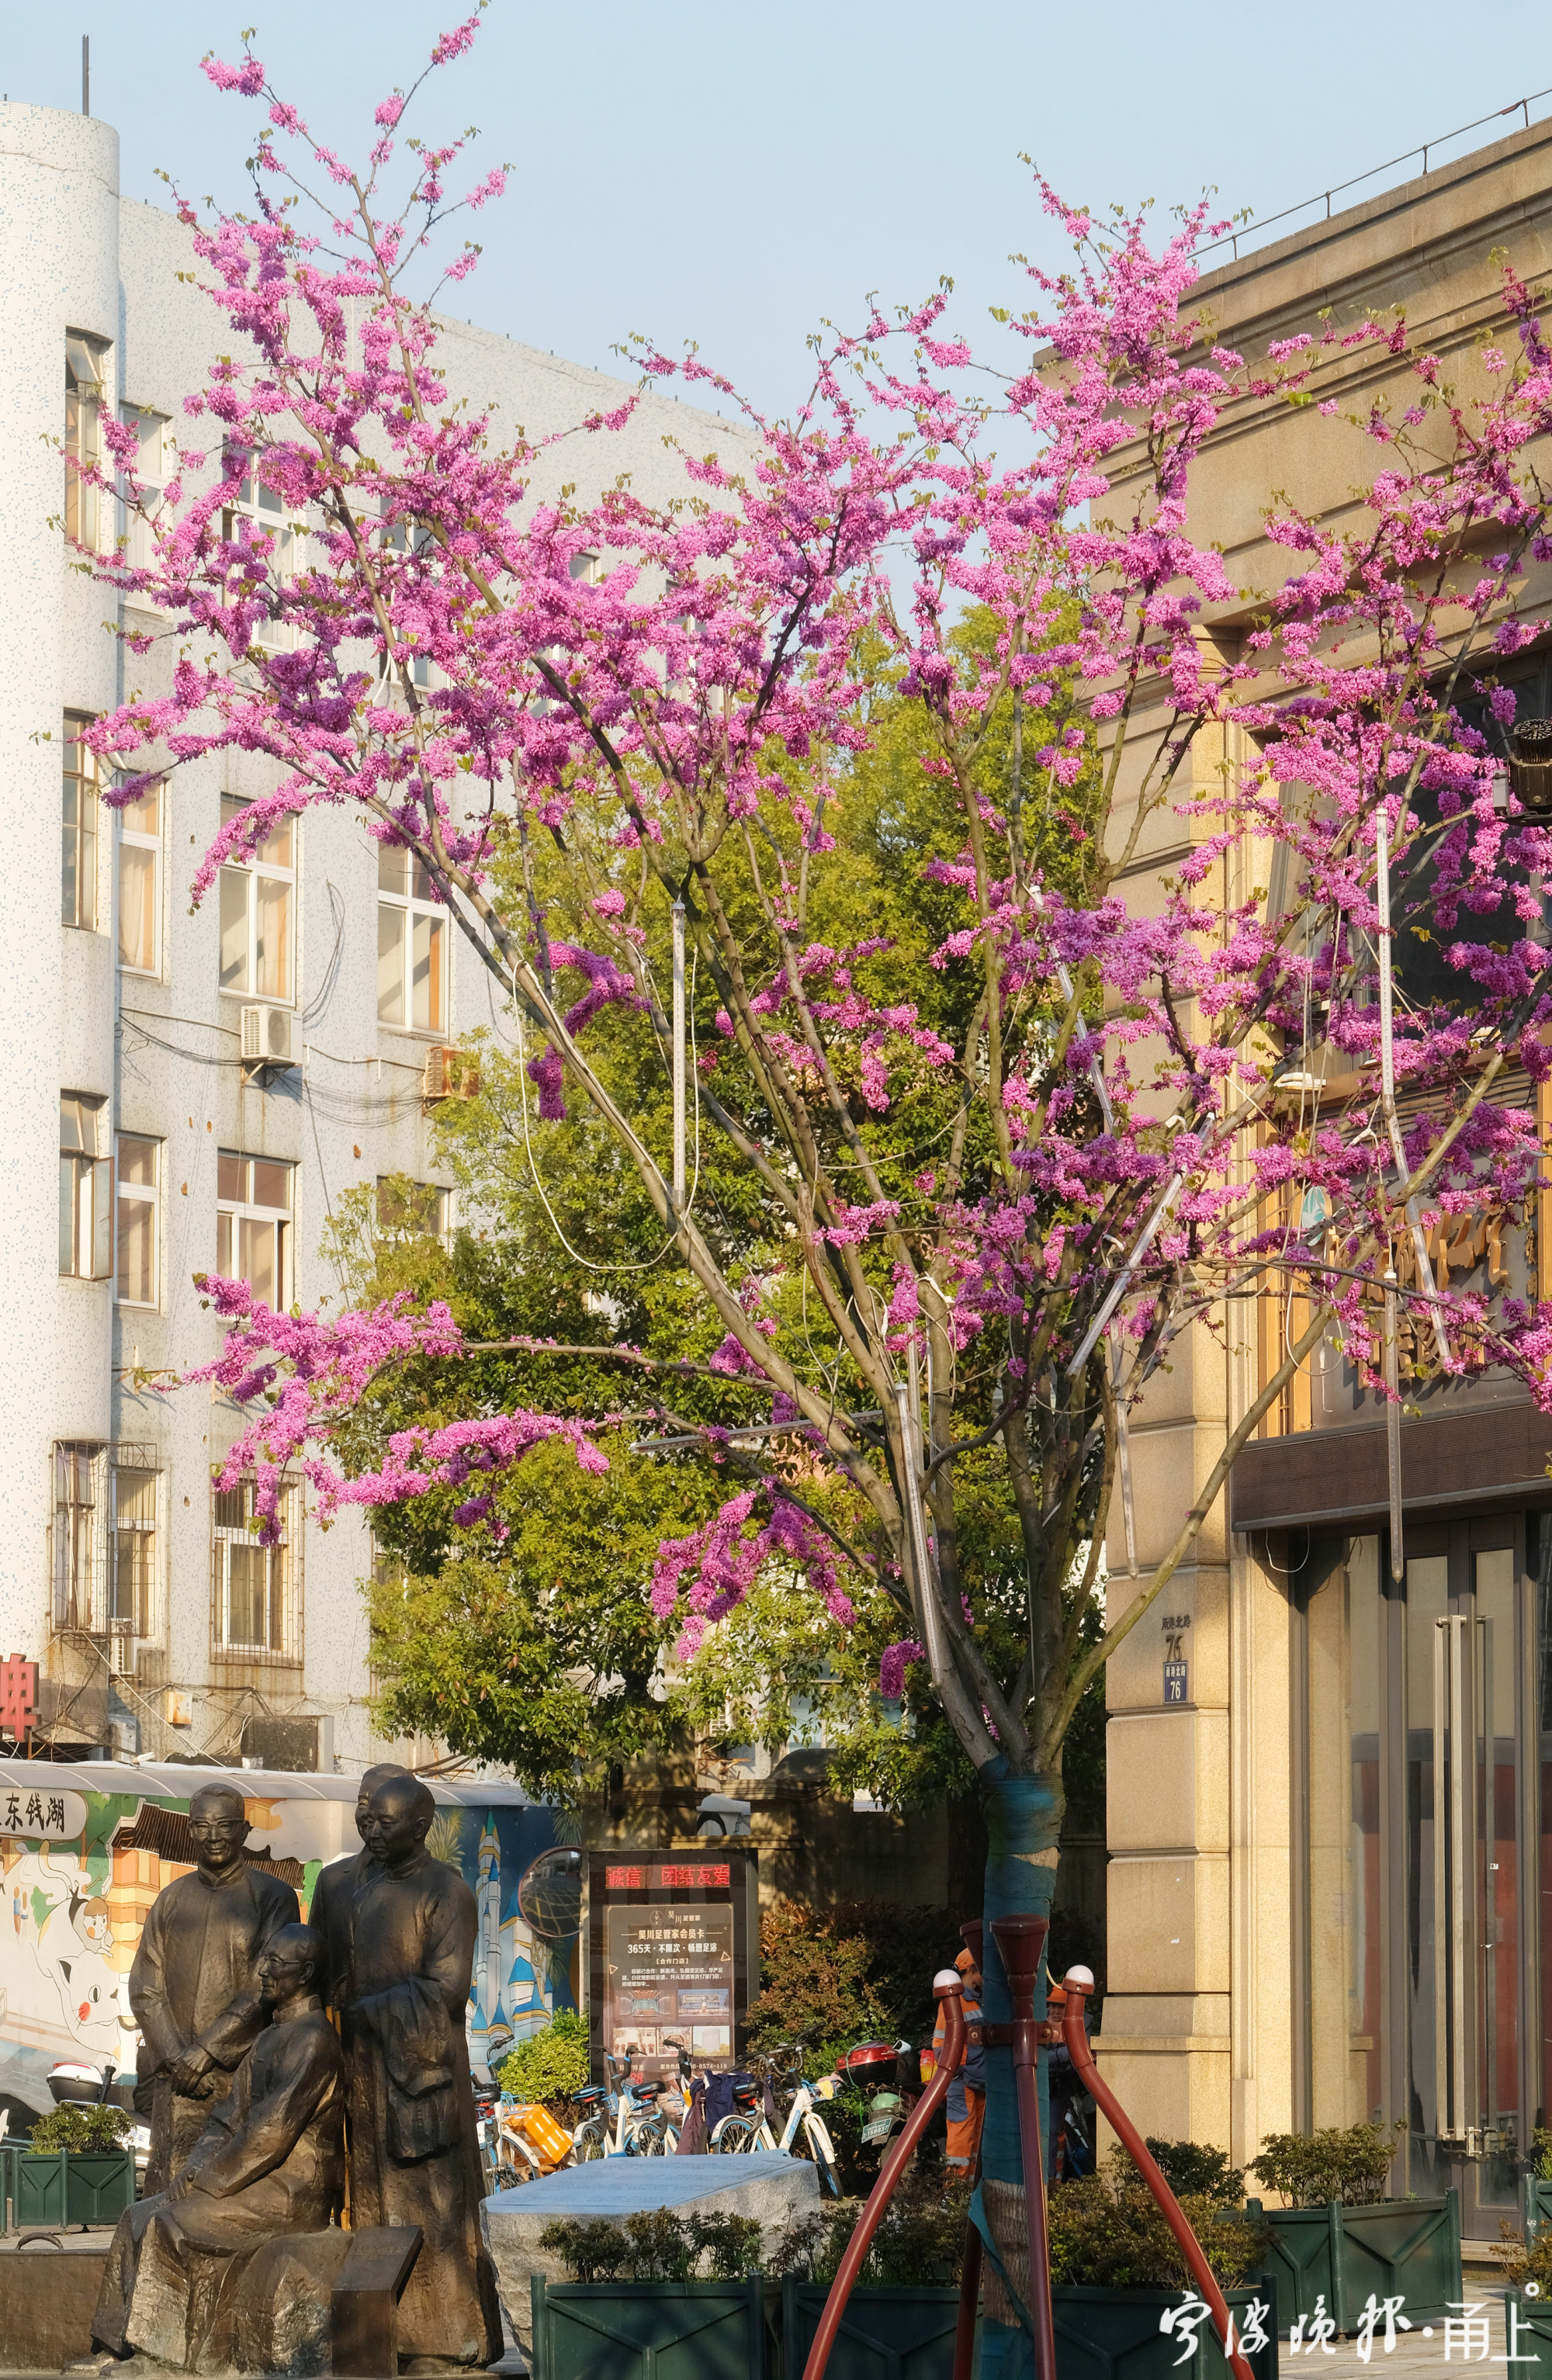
73,1599
259,506
143,1195
415,908
404,1226
142,1621
138,550
78,908
85,385
256,870
282,1574
135,838
235,1211
86,1191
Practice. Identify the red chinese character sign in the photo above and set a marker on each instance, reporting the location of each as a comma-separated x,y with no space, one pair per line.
18,1693
672,1952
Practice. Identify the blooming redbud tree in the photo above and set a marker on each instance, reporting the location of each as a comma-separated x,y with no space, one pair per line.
983,1196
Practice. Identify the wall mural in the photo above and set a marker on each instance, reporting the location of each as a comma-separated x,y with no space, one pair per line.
80,1870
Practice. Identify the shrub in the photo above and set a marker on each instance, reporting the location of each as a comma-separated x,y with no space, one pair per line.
920,2242
1107,2232
1191,2171
75,2127
1539,2160
660,2246
549,2065
837,1975
1521,2264
1311,2169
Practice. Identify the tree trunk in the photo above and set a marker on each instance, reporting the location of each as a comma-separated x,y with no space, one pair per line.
1023,1820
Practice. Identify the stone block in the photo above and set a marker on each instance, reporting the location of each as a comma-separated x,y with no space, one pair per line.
777,2190
1167,1924
1167,1781
47,2299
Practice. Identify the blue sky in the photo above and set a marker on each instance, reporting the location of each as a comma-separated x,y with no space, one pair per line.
733,175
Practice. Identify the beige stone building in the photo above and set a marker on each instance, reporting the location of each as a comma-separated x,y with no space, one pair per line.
1329,1862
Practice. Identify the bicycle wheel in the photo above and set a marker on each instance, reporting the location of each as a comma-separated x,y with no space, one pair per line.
818,2145
736,2135
589,2141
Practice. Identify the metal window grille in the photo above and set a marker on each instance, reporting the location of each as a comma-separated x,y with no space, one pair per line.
255,1588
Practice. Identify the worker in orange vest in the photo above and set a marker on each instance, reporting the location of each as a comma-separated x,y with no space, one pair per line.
966,2101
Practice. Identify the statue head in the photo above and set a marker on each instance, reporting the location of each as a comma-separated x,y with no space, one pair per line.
370,1779
218,1822
399,1814
288,1961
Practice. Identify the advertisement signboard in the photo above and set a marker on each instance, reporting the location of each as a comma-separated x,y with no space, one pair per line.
672,1947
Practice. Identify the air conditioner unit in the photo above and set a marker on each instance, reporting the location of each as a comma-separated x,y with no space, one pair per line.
450,1075
266,1037
121,1648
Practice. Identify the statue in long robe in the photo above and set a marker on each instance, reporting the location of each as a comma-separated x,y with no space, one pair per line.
338,1883
414,2151
271,2159
193,1987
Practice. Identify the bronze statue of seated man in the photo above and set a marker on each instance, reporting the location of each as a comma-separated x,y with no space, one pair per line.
269,2161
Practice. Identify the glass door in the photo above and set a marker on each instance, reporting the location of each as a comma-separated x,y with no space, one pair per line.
1470,2094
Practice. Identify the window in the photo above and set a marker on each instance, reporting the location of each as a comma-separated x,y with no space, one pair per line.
77,844
78,1479
153,468
85,1241
140,883
259,516
84,369
136,1250
257,903
404,1206
252,1581
411,944
132,1574
252,1224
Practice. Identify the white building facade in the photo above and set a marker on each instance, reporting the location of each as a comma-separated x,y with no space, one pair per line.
143,1146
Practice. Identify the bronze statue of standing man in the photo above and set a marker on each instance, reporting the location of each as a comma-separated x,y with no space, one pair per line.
403,1995
194,1985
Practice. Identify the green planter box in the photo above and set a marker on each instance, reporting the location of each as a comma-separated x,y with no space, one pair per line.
1408,2248
1114,2335
905,2334
649,2330
51,2189
1538,2205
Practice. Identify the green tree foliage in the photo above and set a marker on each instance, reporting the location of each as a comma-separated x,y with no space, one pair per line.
860,1970
552,2064
71,2125
544,1653
1107,2232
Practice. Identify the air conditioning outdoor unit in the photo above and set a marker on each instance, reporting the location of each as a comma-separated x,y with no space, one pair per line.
121,1648
266,1037
450,1075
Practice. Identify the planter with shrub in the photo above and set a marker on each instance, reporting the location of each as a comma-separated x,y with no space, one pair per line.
549,2066
1339,2240
648,2293
1538,2184
901,2317
76,2168
1117,2271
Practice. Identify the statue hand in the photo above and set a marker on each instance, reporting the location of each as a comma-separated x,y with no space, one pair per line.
189,2070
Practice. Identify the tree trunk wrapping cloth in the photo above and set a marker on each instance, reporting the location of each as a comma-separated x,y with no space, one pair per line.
193,1983
414,2151
271,2159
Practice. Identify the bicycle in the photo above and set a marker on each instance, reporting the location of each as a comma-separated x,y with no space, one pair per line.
749,2126
624,2119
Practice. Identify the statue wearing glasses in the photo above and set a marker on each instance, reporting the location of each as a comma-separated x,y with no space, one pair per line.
194,1985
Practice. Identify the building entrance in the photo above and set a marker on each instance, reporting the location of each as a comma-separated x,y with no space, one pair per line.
1423,1888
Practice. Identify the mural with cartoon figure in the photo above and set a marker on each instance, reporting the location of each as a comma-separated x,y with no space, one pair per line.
79,1870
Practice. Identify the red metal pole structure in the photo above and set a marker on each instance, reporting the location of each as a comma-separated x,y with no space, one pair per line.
970,2270
1079,1983
947,1987
1021,1942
